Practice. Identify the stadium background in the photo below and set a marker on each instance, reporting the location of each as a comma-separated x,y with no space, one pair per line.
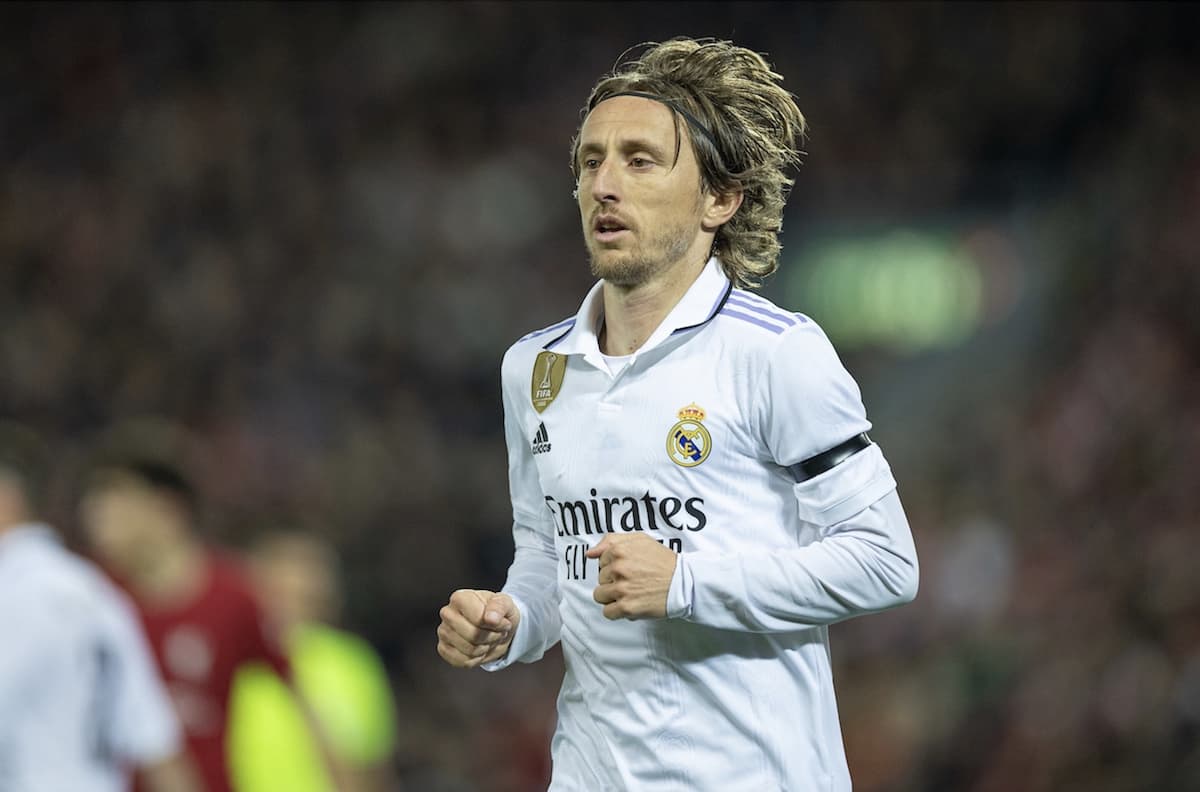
308,233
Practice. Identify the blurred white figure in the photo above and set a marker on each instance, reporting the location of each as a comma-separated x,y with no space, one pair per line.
80,700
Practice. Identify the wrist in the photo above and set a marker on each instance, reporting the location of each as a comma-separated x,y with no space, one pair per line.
508,652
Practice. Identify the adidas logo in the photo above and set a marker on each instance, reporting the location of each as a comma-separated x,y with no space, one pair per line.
541,440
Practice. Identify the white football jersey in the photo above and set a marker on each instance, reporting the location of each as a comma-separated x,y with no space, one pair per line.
693,442
80,698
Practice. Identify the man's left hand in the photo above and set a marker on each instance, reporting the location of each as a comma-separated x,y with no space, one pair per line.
635,574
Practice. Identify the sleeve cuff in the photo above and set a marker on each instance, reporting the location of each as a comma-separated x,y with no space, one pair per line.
679,595
520,642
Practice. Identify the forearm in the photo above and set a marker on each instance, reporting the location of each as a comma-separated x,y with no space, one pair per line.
866,563
533,585
533,576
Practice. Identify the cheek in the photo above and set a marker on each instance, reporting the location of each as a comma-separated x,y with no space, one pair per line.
676,214
118,529
674,198
296,587
108,537
295,594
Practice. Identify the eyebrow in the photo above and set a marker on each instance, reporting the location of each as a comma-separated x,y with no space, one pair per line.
625,146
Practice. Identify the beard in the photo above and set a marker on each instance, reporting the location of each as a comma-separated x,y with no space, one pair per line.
630,268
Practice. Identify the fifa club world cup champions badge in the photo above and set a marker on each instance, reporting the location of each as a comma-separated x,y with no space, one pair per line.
548,372
689,442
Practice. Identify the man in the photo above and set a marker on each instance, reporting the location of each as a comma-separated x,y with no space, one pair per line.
340,675
138,511
694,496
81,700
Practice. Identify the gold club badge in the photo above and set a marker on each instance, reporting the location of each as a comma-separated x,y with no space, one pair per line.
548,372
689,442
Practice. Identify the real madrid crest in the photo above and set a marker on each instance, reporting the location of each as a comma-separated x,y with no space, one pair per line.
548,372
689,442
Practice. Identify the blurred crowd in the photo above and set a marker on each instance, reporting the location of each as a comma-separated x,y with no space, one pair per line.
308,232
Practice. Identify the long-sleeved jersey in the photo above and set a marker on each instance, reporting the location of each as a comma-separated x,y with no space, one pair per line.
696,442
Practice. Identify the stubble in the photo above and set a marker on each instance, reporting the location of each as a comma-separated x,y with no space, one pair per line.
638,266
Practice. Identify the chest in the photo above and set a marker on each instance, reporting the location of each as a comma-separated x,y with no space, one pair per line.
199,646
674,425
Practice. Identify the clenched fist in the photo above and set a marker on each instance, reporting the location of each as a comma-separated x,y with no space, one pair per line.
635,576
477,627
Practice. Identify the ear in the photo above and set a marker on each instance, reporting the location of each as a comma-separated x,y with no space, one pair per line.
720,207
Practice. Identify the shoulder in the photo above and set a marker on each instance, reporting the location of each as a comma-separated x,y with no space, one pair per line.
74,578
759,325
790,349
519,357
32,575
51,570
321,644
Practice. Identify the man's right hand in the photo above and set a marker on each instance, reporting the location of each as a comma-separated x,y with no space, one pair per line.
477,627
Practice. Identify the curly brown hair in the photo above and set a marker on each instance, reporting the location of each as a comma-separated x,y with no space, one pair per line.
753,127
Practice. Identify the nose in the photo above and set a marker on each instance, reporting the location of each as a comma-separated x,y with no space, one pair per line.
605,187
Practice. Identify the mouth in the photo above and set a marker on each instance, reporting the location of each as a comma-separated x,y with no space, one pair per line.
608,229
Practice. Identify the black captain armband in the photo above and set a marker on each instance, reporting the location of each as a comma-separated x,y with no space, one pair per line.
827,460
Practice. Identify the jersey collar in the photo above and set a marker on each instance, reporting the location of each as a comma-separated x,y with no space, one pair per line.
699,304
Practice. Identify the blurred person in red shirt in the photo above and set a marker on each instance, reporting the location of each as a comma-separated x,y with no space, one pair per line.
139,512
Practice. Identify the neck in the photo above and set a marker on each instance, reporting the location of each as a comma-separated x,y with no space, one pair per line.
10,521
175,575
14,509
633,313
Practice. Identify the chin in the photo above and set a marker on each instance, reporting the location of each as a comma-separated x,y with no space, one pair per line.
620,269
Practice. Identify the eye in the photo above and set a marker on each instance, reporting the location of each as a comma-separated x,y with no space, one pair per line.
640,162
591,163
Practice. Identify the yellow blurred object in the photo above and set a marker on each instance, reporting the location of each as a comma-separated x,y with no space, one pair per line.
342,678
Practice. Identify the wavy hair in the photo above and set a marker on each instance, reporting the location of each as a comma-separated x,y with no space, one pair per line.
754,127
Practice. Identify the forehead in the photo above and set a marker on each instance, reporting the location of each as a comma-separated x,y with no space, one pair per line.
292,550
628,116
